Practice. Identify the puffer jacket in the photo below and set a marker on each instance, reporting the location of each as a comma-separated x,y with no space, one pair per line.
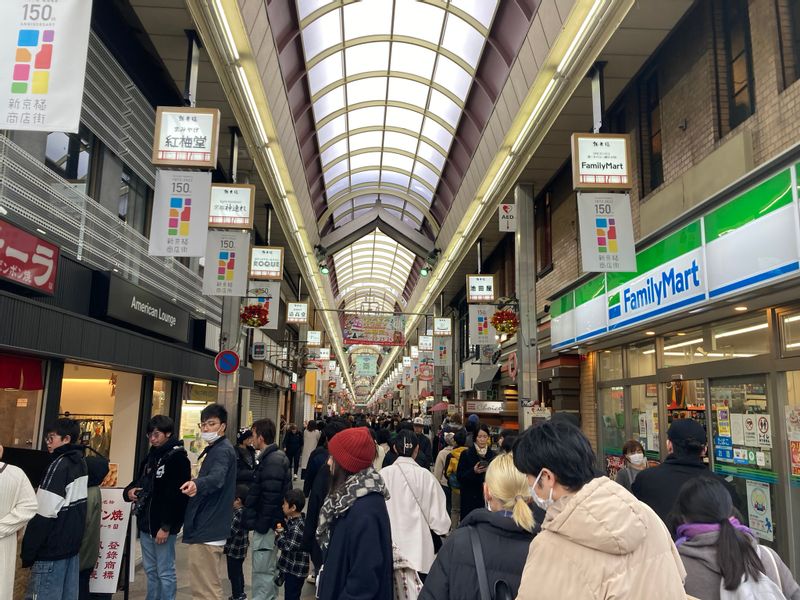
271,480
602,543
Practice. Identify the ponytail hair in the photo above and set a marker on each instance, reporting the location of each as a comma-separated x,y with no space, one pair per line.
509,487
707,500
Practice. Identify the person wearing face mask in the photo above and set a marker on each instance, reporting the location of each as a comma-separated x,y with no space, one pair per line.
472,471
597,541
635,462
210,509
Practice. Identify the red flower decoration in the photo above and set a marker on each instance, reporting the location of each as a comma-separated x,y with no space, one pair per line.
505,321
255,315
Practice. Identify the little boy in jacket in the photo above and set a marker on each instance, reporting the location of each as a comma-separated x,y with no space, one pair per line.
293,563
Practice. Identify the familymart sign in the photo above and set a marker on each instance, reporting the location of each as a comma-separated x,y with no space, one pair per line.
750,241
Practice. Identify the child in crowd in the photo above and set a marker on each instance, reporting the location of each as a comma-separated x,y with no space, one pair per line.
293,563
236,546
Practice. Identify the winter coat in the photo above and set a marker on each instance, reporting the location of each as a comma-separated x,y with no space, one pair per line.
165,507
314,502
310,441
316,460
602,543
358,561
505,548
245,464
658,487
17,507
271,480
439,465
97,468
56,531
425,454
703,575
380,454
210,512
292,443
626,476
471,482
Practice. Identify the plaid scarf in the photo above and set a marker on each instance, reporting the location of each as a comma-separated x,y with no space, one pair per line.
340,500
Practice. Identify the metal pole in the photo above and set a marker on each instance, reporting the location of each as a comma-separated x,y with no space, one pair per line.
192,68
269,223
525,256
234,164
598,95
479,248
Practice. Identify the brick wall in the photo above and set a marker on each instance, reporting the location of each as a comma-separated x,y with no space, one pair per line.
589,398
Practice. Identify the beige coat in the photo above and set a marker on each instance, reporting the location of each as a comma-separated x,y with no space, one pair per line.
602,543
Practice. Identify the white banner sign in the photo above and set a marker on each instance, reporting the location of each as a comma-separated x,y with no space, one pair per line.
297,312
180,213
481,288
508,217
267,293
601,161
481,330
443,351
442,326
314,338
325,354
406,362
425,343
114,517
606,230
232,206
186,137
266,262
414,351
43,47
227,262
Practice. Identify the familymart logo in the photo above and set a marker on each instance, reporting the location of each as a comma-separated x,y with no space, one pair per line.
664,288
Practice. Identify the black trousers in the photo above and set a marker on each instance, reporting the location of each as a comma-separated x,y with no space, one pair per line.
293,587
294,462
236,576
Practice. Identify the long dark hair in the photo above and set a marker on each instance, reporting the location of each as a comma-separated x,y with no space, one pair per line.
338,476
707,500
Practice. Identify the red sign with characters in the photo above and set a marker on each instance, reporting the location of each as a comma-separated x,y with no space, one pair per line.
27,260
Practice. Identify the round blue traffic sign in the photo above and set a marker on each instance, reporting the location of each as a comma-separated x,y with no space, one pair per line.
226,362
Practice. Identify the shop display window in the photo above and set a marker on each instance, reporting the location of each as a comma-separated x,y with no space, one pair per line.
740,338
161,395
641,359
790,333
644,417
612,414
609,365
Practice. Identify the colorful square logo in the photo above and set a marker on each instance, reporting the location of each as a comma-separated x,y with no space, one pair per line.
606,235
180,216
33,59
225,265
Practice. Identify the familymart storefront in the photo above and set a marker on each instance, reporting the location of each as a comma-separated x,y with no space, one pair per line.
708,328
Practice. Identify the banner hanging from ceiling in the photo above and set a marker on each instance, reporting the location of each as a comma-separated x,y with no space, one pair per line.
186,137
606,232
425,343
442,326
43,48
378,330
268,294
443,352
232,206
180,214
481,330
366,365
227,263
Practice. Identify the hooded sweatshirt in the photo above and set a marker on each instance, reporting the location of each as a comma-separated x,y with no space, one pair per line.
703,574
602,543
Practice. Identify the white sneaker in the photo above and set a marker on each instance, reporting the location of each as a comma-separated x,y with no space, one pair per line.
295,477
312,579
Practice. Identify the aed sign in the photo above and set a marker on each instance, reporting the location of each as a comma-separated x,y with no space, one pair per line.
508,217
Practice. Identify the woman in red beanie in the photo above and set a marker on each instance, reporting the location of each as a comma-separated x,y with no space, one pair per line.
354,530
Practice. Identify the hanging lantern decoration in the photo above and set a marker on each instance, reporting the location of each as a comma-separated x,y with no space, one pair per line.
505,321
254,315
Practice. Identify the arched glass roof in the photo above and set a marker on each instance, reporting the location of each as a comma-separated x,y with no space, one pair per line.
388,82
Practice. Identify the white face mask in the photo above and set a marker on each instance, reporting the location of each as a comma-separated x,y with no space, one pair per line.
636,458
543,504
210,436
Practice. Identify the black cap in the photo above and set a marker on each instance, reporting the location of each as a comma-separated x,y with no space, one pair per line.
685,430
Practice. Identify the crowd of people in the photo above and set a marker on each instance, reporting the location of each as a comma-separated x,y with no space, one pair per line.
390,510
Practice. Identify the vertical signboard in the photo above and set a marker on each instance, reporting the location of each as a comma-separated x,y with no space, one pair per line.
443,352
481,330
227,263
180,214
43,48
606,232
114,516
186,137
507,213
266,293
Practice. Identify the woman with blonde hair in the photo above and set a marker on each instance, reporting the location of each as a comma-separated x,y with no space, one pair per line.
497,536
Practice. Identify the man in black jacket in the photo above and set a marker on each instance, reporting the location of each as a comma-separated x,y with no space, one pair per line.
159,504
659,486
264,508
53,537
425,456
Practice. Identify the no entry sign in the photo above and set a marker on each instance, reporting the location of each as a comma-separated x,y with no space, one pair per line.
226,362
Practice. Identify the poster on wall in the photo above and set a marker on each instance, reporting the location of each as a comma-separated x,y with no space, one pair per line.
227,263
43,50
180,214
268,294
186,137
378,330
114,516
793,436
481,330
232,206
759,510
606,232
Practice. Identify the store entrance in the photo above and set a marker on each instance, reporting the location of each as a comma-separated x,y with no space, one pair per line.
687,400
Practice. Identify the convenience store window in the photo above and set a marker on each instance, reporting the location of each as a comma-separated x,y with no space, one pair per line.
609,366
612,415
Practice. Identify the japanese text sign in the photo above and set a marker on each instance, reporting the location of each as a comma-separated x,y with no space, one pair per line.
481,288
325,354
507,214
442,326
370,329
314,338
180,214
43,47
227,263
186,137
114,517
232,206
601,161
425,343
606,231
297,312
27,260
266,262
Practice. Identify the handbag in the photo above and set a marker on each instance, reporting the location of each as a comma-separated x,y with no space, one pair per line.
435,537
502,591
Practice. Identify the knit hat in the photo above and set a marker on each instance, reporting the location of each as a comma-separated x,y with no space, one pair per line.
473,419
686,430
353,449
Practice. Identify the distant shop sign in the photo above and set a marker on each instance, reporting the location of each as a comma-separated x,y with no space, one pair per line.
266,262
601,161
485,407
297,312
27,260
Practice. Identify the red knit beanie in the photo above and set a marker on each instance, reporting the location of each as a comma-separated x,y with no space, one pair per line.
353,449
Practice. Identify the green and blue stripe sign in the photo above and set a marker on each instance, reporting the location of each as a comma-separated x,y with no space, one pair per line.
749,241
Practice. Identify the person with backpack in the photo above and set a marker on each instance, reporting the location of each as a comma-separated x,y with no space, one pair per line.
722,557
451,474
439,467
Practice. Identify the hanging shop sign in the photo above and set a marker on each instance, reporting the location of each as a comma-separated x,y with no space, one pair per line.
180,213
43,48
266,262
442,326
27,260
425,372
131,304
507,214
314,338
443,352
268,295
258,351
747,243
414,351
481,288
425,343
377,330
481,330
186,137
407,362
227,263
366,365
232,206
601,161
606,232
115,513
325,354
297,312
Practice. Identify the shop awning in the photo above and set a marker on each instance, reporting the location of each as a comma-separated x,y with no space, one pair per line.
20,373
483,382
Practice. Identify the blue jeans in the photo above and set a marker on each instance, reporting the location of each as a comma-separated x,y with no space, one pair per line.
52,579
158,562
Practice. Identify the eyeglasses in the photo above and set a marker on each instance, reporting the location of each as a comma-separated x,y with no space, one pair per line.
154,434
208,424
51,437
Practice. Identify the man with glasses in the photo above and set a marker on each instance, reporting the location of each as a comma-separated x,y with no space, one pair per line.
160,506
210,509
53,537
